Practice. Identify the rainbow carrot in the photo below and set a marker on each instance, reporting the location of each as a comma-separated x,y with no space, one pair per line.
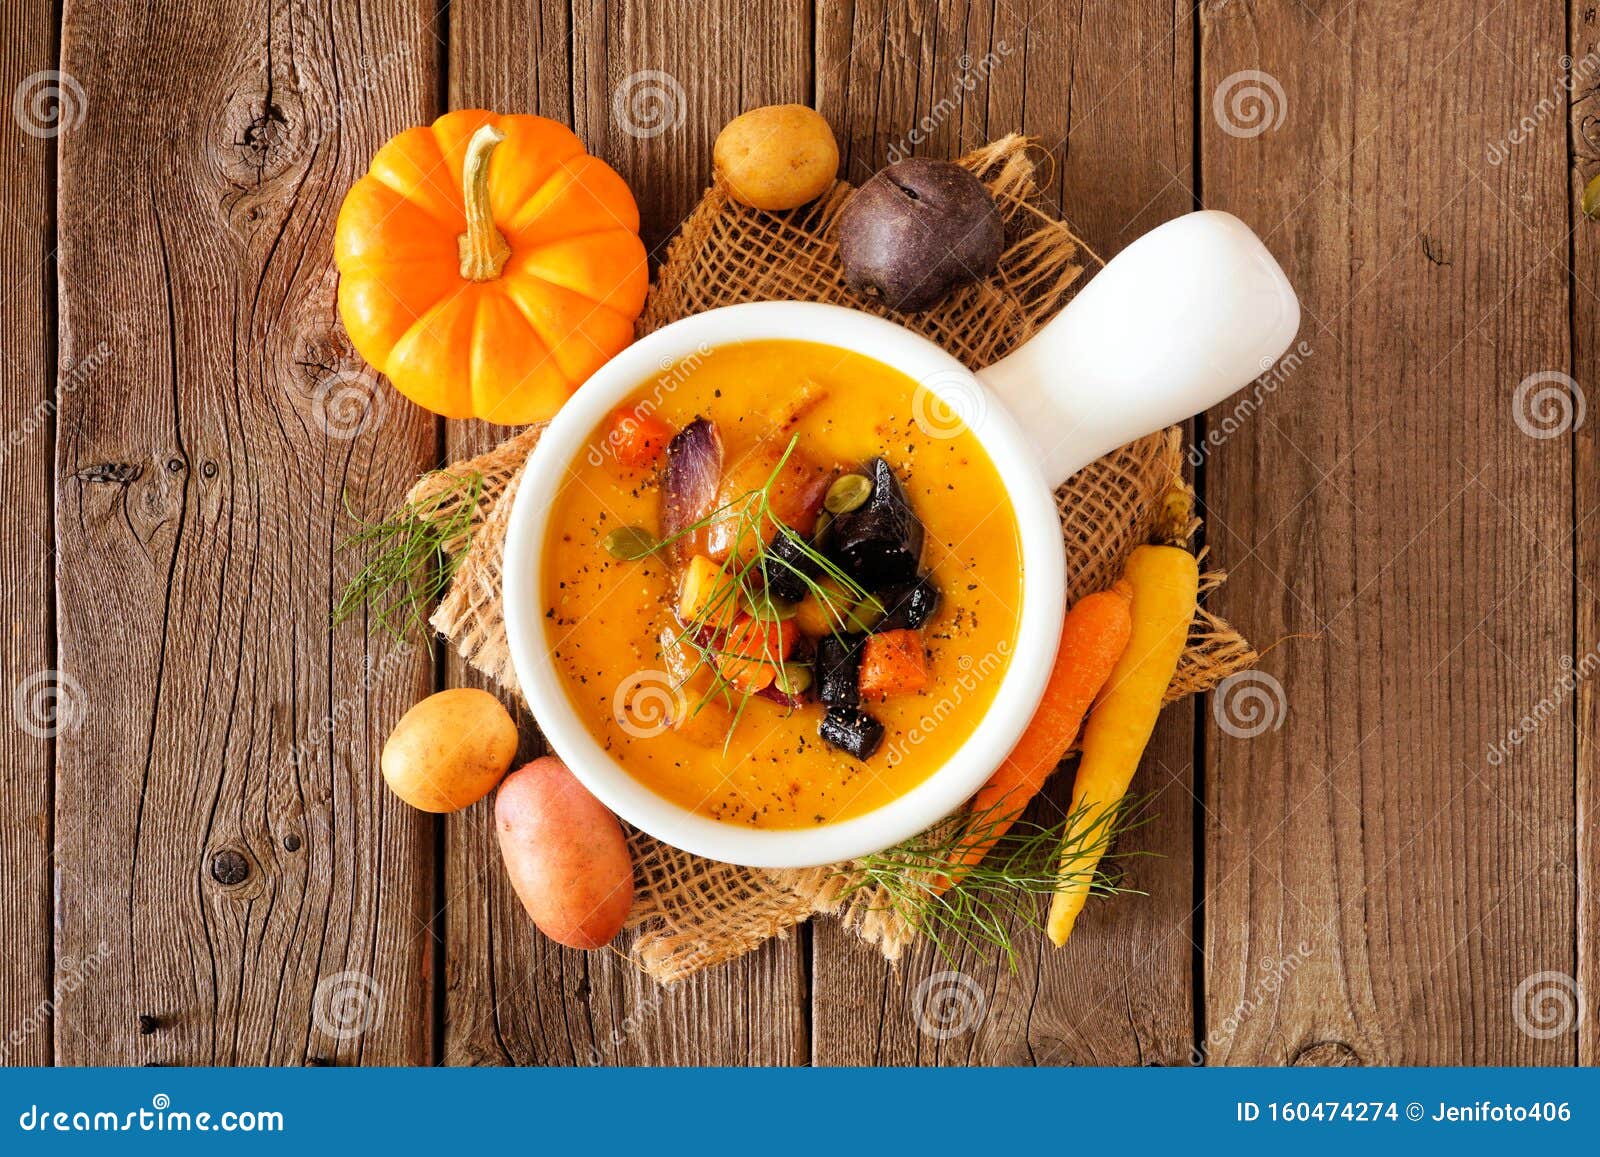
1093,637
1165,582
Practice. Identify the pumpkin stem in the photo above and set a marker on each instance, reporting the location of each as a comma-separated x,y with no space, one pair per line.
483,250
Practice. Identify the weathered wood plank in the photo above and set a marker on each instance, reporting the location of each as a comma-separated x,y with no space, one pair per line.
511,58
1383,498
43,700
935,80
220,823
1583,79
683,69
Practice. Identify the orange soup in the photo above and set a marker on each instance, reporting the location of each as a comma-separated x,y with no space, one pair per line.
782,587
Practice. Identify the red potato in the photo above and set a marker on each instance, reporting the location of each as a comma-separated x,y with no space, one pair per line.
565,853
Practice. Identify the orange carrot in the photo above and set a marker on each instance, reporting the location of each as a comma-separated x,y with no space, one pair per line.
638,437
893,663
753,651
1093,638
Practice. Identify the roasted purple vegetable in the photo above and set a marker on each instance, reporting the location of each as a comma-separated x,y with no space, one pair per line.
838,666
878,544
851,731
689,493
787,565
908,608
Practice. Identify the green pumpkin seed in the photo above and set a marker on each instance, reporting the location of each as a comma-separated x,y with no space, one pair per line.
629,543
862,617
793,678
847,493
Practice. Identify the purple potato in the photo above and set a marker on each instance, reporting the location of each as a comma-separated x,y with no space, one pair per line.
852,732
917,230
879,543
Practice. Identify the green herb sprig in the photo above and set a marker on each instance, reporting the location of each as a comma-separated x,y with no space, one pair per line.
412,556
978,909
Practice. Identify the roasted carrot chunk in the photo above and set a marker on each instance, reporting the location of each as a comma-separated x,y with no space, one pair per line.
753,651
893,663
637,437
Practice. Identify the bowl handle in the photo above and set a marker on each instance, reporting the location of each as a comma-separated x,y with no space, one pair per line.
1175,323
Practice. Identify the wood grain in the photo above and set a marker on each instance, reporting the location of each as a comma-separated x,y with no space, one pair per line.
1583,77
1383,500
220,825
41,699
1376,876
936,80
682,69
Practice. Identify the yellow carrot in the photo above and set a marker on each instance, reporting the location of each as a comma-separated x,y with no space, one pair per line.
1166,583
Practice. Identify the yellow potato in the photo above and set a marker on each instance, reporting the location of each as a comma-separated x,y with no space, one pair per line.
777,157
449,750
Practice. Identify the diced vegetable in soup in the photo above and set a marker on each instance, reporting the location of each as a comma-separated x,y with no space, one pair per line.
800,608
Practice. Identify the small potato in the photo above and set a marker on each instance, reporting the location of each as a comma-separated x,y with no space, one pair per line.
918,229
565,853
449,750
777,157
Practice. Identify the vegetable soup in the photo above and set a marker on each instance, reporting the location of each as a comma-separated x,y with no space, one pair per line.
782,586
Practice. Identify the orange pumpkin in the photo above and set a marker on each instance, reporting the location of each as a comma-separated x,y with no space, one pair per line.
488,265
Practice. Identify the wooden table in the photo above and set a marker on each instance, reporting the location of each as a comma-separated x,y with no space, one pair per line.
196,833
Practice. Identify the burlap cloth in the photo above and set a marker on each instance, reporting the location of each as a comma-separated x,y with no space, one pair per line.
691,913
